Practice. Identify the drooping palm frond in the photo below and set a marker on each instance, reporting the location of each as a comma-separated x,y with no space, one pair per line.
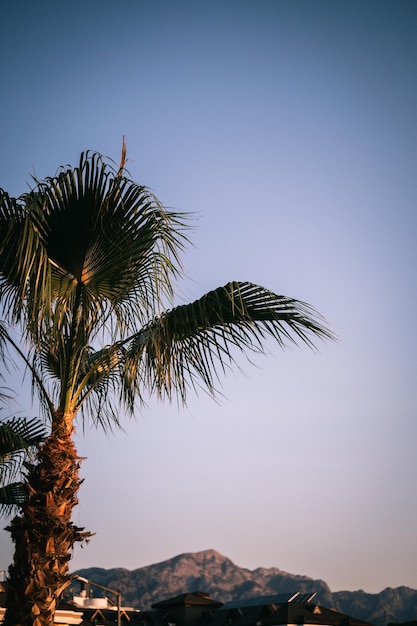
11,496
18,434
190,343
23,262
29,359
18,437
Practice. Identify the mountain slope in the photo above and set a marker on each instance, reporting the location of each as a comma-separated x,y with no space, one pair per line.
217,575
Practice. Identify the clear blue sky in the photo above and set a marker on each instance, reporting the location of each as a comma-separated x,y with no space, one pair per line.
290,128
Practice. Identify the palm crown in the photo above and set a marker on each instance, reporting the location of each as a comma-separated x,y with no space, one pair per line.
89,256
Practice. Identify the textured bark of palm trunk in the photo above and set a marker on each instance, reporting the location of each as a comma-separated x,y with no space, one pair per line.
43,534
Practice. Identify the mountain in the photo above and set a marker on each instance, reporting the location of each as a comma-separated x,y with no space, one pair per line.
217,575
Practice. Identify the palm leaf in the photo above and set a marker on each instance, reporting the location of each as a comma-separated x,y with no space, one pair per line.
18,433
18,436
192,342
99,380
23,265
10,496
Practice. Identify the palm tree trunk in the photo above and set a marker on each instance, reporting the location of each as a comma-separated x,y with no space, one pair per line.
43,533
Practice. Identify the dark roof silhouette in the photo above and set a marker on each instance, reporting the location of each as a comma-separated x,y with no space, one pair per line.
195,598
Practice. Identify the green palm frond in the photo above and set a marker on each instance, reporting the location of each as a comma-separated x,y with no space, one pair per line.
23,263
29,357
18,434
11,496
99,381
192,342
18,438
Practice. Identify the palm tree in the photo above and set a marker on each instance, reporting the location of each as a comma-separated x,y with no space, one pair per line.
88,261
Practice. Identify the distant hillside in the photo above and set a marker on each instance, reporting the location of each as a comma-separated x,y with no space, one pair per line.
217,575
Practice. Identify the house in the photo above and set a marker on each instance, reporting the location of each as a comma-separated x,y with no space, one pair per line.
184,610
199,609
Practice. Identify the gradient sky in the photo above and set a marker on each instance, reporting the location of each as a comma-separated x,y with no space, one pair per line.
290,128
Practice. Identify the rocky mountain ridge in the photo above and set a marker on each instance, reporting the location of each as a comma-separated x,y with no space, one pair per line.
211,572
